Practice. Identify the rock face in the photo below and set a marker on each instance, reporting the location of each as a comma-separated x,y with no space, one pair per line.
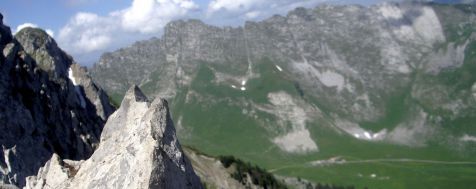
83,82
44,112
380,73
349,50
5,33
138,149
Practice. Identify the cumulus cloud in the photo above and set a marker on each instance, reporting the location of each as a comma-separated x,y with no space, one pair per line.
89,32
25,25
148,16
31,25
50,32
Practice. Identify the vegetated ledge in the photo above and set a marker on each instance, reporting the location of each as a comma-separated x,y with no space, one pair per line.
244,171
249,176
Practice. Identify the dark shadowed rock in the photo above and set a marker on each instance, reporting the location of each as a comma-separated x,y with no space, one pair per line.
5,33
41,111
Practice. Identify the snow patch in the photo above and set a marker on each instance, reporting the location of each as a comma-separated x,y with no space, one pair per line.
357,132
279,68
71,76
243,83
77,88
233,86
367,135
243,88
413,132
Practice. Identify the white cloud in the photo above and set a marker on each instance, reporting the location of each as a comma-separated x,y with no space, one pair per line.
148,16
31,25
89,32
25,25
50,32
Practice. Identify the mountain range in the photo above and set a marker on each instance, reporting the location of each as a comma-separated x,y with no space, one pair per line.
382,96
333,94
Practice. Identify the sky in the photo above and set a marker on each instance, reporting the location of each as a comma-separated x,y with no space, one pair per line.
87,28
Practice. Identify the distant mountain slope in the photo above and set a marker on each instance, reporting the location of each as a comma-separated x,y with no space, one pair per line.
353,82
48,105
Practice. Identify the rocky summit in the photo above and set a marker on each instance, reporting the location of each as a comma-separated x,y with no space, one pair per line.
49,105
138,149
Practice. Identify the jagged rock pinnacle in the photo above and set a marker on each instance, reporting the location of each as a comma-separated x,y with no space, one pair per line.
138,149
134,93
45,51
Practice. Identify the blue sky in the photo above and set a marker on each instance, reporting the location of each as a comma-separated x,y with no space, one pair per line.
87,28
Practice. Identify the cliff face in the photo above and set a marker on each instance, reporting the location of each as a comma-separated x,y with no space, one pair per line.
387,72
43,109
353,51
138,149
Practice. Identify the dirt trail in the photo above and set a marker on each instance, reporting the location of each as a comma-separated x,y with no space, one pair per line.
334,161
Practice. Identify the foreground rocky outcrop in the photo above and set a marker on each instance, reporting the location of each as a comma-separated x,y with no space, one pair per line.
43,110
138,149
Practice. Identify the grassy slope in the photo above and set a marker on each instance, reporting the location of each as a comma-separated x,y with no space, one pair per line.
220,128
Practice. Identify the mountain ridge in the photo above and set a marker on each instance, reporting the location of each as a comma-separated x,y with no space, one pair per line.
319,82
